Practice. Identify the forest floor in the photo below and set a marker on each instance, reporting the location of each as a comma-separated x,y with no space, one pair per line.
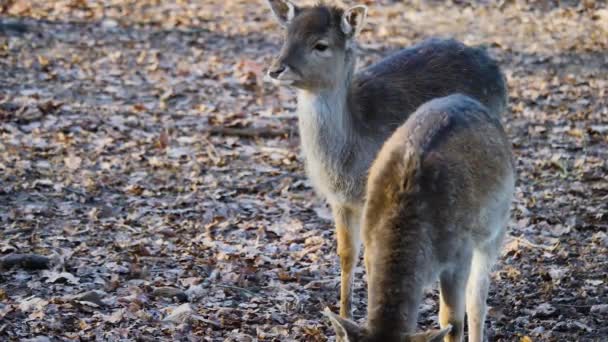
142,153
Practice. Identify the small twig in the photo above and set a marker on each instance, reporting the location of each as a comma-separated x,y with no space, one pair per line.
319,282
74,191
18,231
572,305
289,292
208,321
250,132
236,288
170,292
212,152
533,245
272,181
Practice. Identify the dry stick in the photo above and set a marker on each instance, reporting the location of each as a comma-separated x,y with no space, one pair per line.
574,306
212,152
250,132
289,292
208,321
18,231
170,292
25,261
319,282
533,245
248,292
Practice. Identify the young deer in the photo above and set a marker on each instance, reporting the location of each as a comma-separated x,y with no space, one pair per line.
345,117
437,205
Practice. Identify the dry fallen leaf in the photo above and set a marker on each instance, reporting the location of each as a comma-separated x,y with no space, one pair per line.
139,146
73,162
115,317
32,304
179,314
53,276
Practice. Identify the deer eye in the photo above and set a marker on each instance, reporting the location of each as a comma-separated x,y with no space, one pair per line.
321,46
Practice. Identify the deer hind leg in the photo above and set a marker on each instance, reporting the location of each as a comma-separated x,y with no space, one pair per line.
477,288
452,291
349,244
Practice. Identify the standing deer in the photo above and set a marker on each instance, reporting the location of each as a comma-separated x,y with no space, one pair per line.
437,205
345,117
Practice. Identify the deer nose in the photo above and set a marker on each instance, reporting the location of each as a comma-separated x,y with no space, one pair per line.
277,70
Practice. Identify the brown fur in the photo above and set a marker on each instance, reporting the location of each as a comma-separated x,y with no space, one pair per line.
344,116
437,203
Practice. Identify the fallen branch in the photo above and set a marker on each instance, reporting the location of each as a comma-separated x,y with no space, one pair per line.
18,231
25,261
208,321
525,242
244,291
249,132
314,283
170,292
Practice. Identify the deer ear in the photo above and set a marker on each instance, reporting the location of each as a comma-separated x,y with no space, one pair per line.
353,20
284,11
346,330
429,335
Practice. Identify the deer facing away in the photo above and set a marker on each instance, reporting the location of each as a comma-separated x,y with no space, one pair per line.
437,205
345,116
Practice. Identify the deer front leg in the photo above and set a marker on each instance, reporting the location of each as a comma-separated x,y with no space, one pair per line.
349,243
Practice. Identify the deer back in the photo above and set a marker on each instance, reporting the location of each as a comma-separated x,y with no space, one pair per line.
431,193
387,92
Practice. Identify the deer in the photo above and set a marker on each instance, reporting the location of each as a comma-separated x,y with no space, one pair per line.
437,206
345,115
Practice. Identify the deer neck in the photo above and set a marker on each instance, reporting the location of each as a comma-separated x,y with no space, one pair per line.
399,260
324,114
325,120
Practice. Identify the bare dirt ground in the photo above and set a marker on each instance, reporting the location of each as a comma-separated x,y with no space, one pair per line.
141,152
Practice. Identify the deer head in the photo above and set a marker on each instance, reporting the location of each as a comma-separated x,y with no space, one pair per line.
318,48
348,331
